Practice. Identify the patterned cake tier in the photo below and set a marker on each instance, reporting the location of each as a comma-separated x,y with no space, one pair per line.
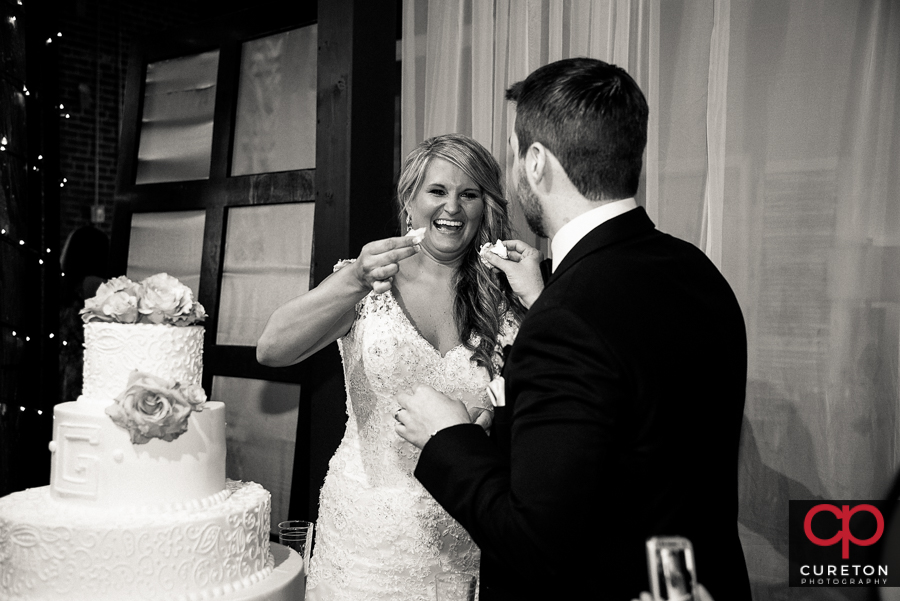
113,350
94,462
57,550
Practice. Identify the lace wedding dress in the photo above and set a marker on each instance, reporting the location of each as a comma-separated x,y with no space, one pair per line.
379,535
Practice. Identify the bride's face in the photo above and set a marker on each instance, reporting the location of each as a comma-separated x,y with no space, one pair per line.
450,206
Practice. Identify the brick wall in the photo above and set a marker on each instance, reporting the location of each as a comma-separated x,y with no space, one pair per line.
97,36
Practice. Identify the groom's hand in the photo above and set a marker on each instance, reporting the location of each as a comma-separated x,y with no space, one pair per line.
522,269
424,411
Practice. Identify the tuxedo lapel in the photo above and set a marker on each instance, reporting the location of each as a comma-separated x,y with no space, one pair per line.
633,223
625,226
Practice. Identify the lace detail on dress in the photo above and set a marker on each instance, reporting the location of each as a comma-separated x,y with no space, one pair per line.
340,264
380,535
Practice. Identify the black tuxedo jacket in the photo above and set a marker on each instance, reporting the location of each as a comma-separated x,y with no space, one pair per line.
625,393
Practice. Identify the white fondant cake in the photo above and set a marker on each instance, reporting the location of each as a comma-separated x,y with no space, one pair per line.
59,550
94,461
154,519
113,350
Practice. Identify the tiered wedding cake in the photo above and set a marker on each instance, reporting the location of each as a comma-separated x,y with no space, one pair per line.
138,506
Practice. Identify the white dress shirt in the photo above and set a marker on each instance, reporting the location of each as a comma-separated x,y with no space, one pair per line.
569,234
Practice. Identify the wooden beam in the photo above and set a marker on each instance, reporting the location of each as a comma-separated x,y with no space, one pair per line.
354,178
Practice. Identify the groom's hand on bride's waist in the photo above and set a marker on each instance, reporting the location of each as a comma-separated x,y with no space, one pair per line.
423,411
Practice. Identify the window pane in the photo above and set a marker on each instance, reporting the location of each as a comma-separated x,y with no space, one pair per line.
260,433
276,109
167,242
267,257
177,121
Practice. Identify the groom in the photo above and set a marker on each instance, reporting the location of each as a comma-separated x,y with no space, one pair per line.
624,388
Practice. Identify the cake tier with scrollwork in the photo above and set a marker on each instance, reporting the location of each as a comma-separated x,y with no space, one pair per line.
53,550
113,350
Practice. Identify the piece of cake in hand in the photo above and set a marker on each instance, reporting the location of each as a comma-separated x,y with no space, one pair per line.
497,248
417,236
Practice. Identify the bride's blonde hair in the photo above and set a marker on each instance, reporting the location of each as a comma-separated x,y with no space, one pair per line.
481,296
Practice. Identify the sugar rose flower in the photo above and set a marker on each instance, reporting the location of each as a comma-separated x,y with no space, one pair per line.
116,300
163,299
122,306
196,314
195,396
152,407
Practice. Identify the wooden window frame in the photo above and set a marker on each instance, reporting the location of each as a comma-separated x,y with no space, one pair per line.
357,85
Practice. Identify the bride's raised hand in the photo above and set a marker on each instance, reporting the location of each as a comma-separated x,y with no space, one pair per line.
379,261
522,269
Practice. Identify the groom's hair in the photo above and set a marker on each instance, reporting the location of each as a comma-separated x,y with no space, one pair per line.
592,116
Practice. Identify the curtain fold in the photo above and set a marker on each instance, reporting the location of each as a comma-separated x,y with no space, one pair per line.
460,57
772,146
716,107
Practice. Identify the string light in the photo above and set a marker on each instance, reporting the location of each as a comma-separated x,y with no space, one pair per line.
4,142
3,409
21,409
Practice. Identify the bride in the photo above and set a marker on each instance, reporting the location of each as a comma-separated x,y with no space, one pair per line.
406,313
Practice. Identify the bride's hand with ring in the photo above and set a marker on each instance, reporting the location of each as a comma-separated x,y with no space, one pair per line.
483,416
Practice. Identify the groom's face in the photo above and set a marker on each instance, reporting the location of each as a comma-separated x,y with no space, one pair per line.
524,195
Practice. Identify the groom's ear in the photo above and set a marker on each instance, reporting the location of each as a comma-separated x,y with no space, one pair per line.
536,166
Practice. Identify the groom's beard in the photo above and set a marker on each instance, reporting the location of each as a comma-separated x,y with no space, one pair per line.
534,215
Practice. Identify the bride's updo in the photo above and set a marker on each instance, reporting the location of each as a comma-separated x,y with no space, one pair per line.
479,292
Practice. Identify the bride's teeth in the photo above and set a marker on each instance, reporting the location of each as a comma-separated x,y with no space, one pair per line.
448,223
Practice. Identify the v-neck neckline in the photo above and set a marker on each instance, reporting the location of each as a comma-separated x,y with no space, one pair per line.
416,330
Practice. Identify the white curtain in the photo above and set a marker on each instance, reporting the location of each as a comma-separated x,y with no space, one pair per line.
460,56
773,147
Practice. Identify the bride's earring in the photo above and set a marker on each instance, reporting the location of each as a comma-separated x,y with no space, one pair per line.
409,226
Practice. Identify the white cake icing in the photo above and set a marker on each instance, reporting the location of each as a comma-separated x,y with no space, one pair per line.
93,460
113,350
54,549
124,521
94,463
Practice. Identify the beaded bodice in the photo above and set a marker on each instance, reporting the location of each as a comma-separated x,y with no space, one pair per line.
373,512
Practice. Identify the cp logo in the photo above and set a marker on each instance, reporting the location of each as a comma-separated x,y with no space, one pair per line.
844,535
